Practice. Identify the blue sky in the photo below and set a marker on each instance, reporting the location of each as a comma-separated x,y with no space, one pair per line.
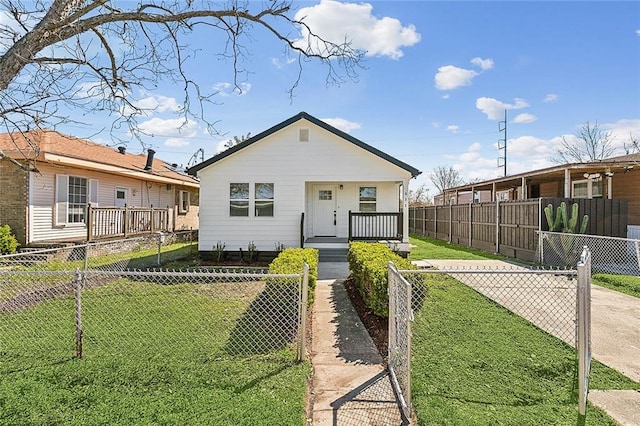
437,80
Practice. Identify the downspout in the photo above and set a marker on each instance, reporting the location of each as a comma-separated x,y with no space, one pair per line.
567,183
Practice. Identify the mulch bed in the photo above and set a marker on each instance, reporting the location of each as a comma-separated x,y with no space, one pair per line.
377,326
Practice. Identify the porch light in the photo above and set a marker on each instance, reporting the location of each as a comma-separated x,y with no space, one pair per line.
341,187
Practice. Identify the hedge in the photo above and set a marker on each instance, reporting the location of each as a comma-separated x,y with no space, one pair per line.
292,261
368,263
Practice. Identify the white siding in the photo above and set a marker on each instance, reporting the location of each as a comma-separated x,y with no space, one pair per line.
292,166
42,200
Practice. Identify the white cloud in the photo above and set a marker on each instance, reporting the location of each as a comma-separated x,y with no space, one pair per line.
158,103
525,118
435,124
551,97
447,96
474,147
336,21
638,32
449,77
224,88
484,64
342,124
171,127
494,109
622,131
453,128
279,64
176,142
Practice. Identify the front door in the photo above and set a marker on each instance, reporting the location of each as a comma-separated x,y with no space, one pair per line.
324,211
122,196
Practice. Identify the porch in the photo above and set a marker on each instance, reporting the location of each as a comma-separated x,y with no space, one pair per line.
110,222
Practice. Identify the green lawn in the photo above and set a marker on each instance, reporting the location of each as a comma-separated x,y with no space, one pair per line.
627,284
475,362
153,354
431,248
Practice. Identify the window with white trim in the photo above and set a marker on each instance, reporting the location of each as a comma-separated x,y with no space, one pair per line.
368,198
258,198
589,188
184,202
239,199
264,201
73,193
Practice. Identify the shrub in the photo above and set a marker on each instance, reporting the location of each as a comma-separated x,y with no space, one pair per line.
8,243
292,260
368,263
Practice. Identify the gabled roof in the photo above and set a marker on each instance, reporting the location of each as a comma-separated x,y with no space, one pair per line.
53,147
303,116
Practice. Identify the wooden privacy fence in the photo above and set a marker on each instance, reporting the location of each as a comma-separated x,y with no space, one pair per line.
511,227
107,222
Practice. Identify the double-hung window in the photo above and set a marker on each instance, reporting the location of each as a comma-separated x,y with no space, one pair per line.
590,188
263,199
257,198
368,198
185,201
239,199
73,193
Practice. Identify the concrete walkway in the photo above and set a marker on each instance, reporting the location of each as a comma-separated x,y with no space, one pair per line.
350,383
615,338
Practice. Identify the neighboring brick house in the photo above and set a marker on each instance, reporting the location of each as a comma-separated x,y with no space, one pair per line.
49,202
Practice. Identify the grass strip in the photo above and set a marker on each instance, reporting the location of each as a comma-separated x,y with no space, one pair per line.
475,362
626,284
431,248
154,354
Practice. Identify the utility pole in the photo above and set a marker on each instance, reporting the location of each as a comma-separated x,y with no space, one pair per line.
502,143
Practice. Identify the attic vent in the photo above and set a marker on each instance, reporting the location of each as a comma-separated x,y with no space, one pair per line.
303,135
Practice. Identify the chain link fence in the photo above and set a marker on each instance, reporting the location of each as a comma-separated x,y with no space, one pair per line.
548,299
609,255
52,316
113,255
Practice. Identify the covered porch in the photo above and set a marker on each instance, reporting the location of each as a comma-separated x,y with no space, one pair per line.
338,212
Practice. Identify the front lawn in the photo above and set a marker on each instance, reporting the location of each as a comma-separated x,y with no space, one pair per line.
153,354
627,284
431,248
475,362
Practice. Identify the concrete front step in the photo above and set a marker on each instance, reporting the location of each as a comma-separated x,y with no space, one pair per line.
333,254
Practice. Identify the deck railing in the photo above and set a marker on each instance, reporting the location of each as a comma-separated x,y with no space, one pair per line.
375,226
107,222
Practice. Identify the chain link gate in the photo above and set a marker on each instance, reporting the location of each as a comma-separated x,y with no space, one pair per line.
400,319
556,301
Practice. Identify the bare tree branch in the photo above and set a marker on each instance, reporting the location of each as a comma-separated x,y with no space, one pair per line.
93,55
590,143
445,177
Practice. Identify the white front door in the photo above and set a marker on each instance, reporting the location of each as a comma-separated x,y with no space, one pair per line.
122,196
324,211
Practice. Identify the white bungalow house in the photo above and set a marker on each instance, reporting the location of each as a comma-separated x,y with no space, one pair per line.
302,183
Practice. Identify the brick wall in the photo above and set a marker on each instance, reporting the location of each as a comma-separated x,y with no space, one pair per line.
13,207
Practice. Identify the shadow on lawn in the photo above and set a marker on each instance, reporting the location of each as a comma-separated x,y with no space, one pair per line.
270,323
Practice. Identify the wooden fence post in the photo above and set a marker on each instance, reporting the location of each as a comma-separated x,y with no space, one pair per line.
497,226
470,223
89,222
